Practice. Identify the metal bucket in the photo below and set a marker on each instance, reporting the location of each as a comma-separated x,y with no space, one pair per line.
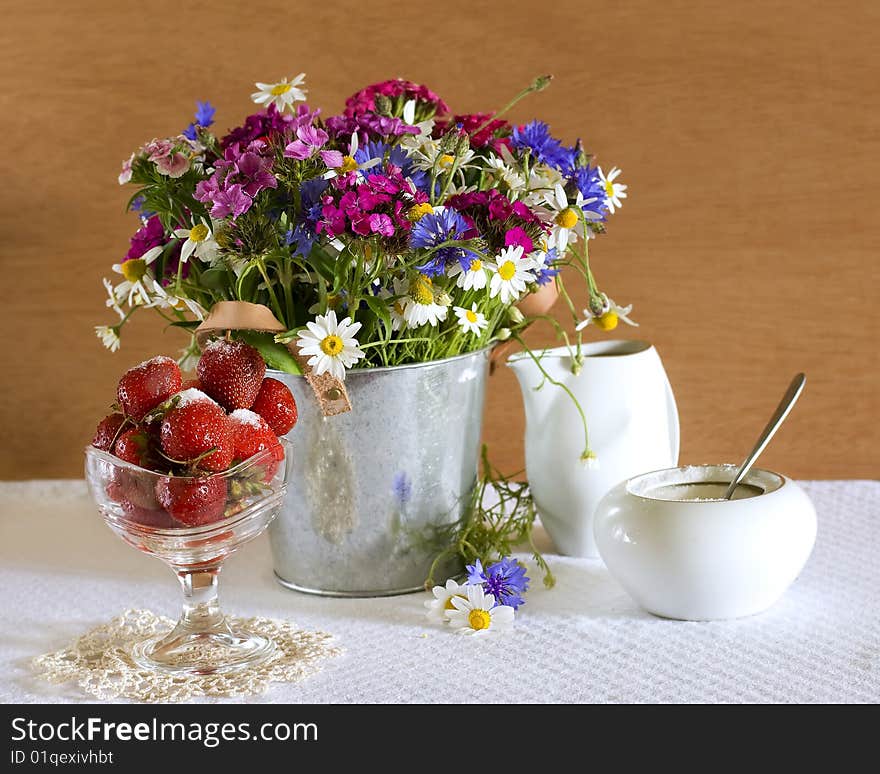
373,493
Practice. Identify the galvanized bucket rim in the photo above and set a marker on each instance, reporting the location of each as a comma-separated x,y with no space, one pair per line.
383,369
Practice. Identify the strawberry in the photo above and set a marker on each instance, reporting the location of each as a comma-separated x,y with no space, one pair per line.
133,445
106,432
192,384
251,435
276,405
145,386
136,495
194,428
192,501
231,372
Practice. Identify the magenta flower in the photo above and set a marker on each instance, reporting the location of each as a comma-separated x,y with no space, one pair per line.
253,173
150,235
381,224
364,101
233,201
309,140
518,236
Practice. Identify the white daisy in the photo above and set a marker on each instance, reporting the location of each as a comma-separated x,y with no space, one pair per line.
471,320
607,317
478,614
165,300
473,278
614,192
502,168
542,180
138,286
199,241
566,223
109,336
282,94
437,609
511,273
331,344
111,302
421,304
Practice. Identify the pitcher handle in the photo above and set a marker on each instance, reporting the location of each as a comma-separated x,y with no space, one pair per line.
674,429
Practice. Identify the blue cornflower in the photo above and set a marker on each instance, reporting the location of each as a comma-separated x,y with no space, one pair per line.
396,156
545,148
546,272
204,117
434,229
591,187
205,113
138,204
505,580
304,235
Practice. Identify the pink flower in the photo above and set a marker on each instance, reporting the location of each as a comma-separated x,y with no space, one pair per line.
206,190
233,201
156,149
125,174
309,140
332,158
174,165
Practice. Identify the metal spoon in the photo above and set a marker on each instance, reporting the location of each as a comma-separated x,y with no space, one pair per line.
785,405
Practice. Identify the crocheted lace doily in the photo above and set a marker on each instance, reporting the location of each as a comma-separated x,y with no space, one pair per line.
99,661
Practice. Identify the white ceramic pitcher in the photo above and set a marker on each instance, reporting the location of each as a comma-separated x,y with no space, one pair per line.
633,425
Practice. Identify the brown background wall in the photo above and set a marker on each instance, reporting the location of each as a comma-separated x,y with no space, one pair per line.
746,131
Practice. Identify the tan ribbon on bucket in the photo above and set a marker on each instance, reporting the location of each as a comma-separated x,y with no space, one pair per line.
245,316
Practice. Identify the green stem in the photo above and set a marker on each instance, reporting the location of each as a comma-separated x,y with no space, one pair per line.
556,383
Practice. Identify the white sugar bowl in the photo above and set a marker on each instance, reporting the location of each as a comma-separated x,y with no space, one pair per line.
682,551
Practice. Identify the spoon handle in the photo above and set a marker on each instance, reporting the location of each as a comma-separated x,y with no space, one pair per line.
785,405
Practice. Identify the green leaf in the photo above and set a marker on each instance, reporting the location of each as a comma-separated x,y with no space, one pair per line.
215,279
276,355
190,325
380,309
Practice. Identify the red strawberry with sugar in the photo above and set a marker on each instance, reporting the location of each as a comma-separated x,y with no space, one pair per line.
107,432
193,501
192,430
275,403
145,386
251,435
231,372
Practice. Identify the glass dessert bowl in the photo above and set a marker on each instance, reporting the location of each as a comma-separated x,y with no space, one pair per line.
222,512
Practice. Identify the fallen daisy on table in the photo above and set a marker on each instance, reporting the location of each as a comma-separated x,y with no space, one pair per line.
478,614
439,607
486,603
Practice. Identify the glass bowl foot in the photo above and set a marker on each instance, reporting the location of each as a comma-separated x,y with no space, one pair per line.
203,653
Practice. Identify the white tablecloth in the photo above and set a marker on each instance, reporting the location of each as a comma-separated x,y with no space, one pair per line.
62,571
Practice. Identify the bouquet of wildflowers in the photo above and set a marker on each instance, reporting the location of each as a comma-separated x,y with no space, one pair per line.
393,233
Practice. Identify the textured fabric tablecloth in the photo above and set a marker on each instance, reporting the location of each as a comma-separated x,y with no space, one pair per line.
62,572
